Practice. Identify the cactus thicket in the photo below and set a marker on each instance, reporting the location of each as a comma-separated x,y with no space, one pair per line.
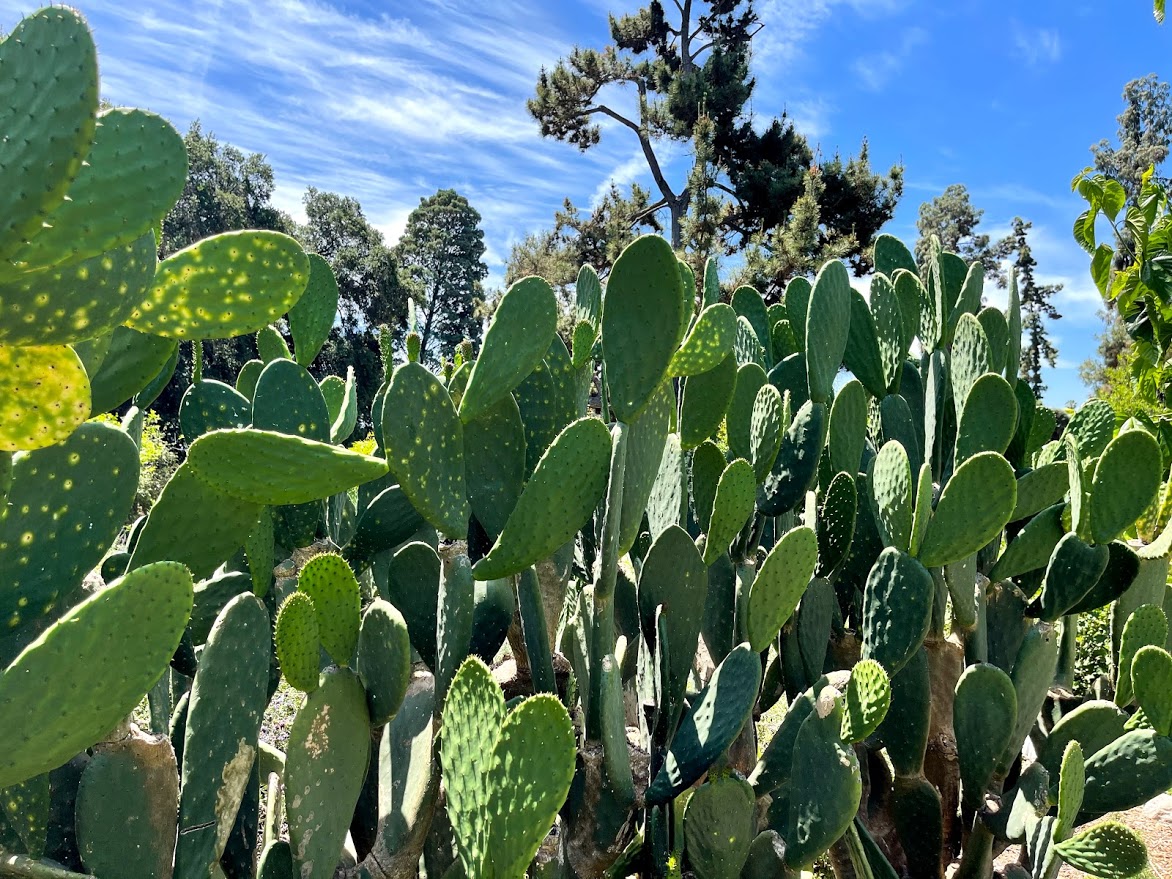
895,559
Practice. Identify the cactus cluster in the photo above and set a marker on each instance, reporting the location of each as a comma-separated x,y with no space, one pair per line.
898,554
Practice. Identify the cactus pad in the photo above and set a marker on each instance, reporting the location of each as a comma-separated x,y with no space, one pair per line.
989,419
1151,677
706,401
1126,481
384,660
133,363
779,585
1107,851
719,827
646,440
212,405
984,715
1128,772
298,642
750,378
494,463
848,428
312,316
796,466
862,355
731,508
560,496
328,580
227,285
709,342
1071,787
288,400
522,327
973,508
273,468
897,609
44,396
765,430
88,651
1146,625
891,489
827,327
868,697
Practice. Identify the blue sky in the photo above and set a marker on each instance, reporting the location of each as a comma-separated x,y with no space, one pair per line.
390,101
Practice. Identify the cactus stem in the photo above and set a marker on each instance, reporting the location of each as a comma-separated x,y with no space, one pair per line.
602,639
534,631
22,867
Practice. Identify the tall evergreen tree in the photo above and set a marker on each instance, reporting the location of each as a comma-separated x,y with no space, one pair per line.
1036,307
1144,134
441,258
953,219
693,69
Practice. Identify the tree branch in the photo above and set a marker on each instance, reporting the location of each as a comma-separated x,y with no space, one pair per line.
618,117
723,188
648,211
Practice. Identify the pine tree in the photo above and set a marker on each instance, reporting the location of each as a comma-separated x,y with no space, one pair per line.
1036,307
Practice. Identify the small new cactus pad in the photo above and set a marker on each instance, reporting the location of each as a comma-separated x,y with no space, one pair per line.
78,300
494,463
108,651
779,584
897,609
227,285
1146,625
66,505
1126,481
328,580
271,468
312,316
1151,678
49,65
44,396
325,764
827,327
384,660
560,496
868,697
228,698
719,827
271,345
125,810
731,508
973,508
984,715
131,366
826,784
716,718
133,175
1108,851
298,642
1071,787
288,400
641,325
709,342
424,443
522,327
179,526
706,400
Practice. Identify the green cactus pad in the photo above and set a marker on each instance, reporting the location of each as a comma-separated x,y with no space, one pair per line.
522,327
557,500
748,303
1071,787
133,360
66,505
1039,489
996,330
1107,851
911,292
796,466
25,807
1033,673
848,428
133,175
298,642
889,330
345,419
1151,676
709,342
1127,772
248,376
641,326
989,418
179,527
973,508
779,585
50,65
276,861
775,765
891,489
494,463
548,400
384,660
897,609
1146,625
455,617
587,314
227,285
125,808
271,345
892,254
79,300
719,827
88,651
922,514
826,786
797,306
1126,481
288,400
827,327
228,698
312,316
328,580
212,405
1094,725
747,348
716,718
413,587
862,355
731,508
868,697
905,729
44,396
271,469
646,439
1032,547
836,523
706,400
970,358
1093,427
532,767
750,379
667,504
424,442
984,715
1074,569
765,430
917,812
325,764
388,520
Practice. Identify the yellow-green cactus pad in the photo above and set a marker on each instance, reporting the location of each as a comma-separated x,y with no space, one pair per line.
44,396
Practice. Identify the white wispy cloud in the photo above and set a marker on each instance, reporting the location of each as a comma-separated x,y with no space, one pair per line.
1037,45
877,69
